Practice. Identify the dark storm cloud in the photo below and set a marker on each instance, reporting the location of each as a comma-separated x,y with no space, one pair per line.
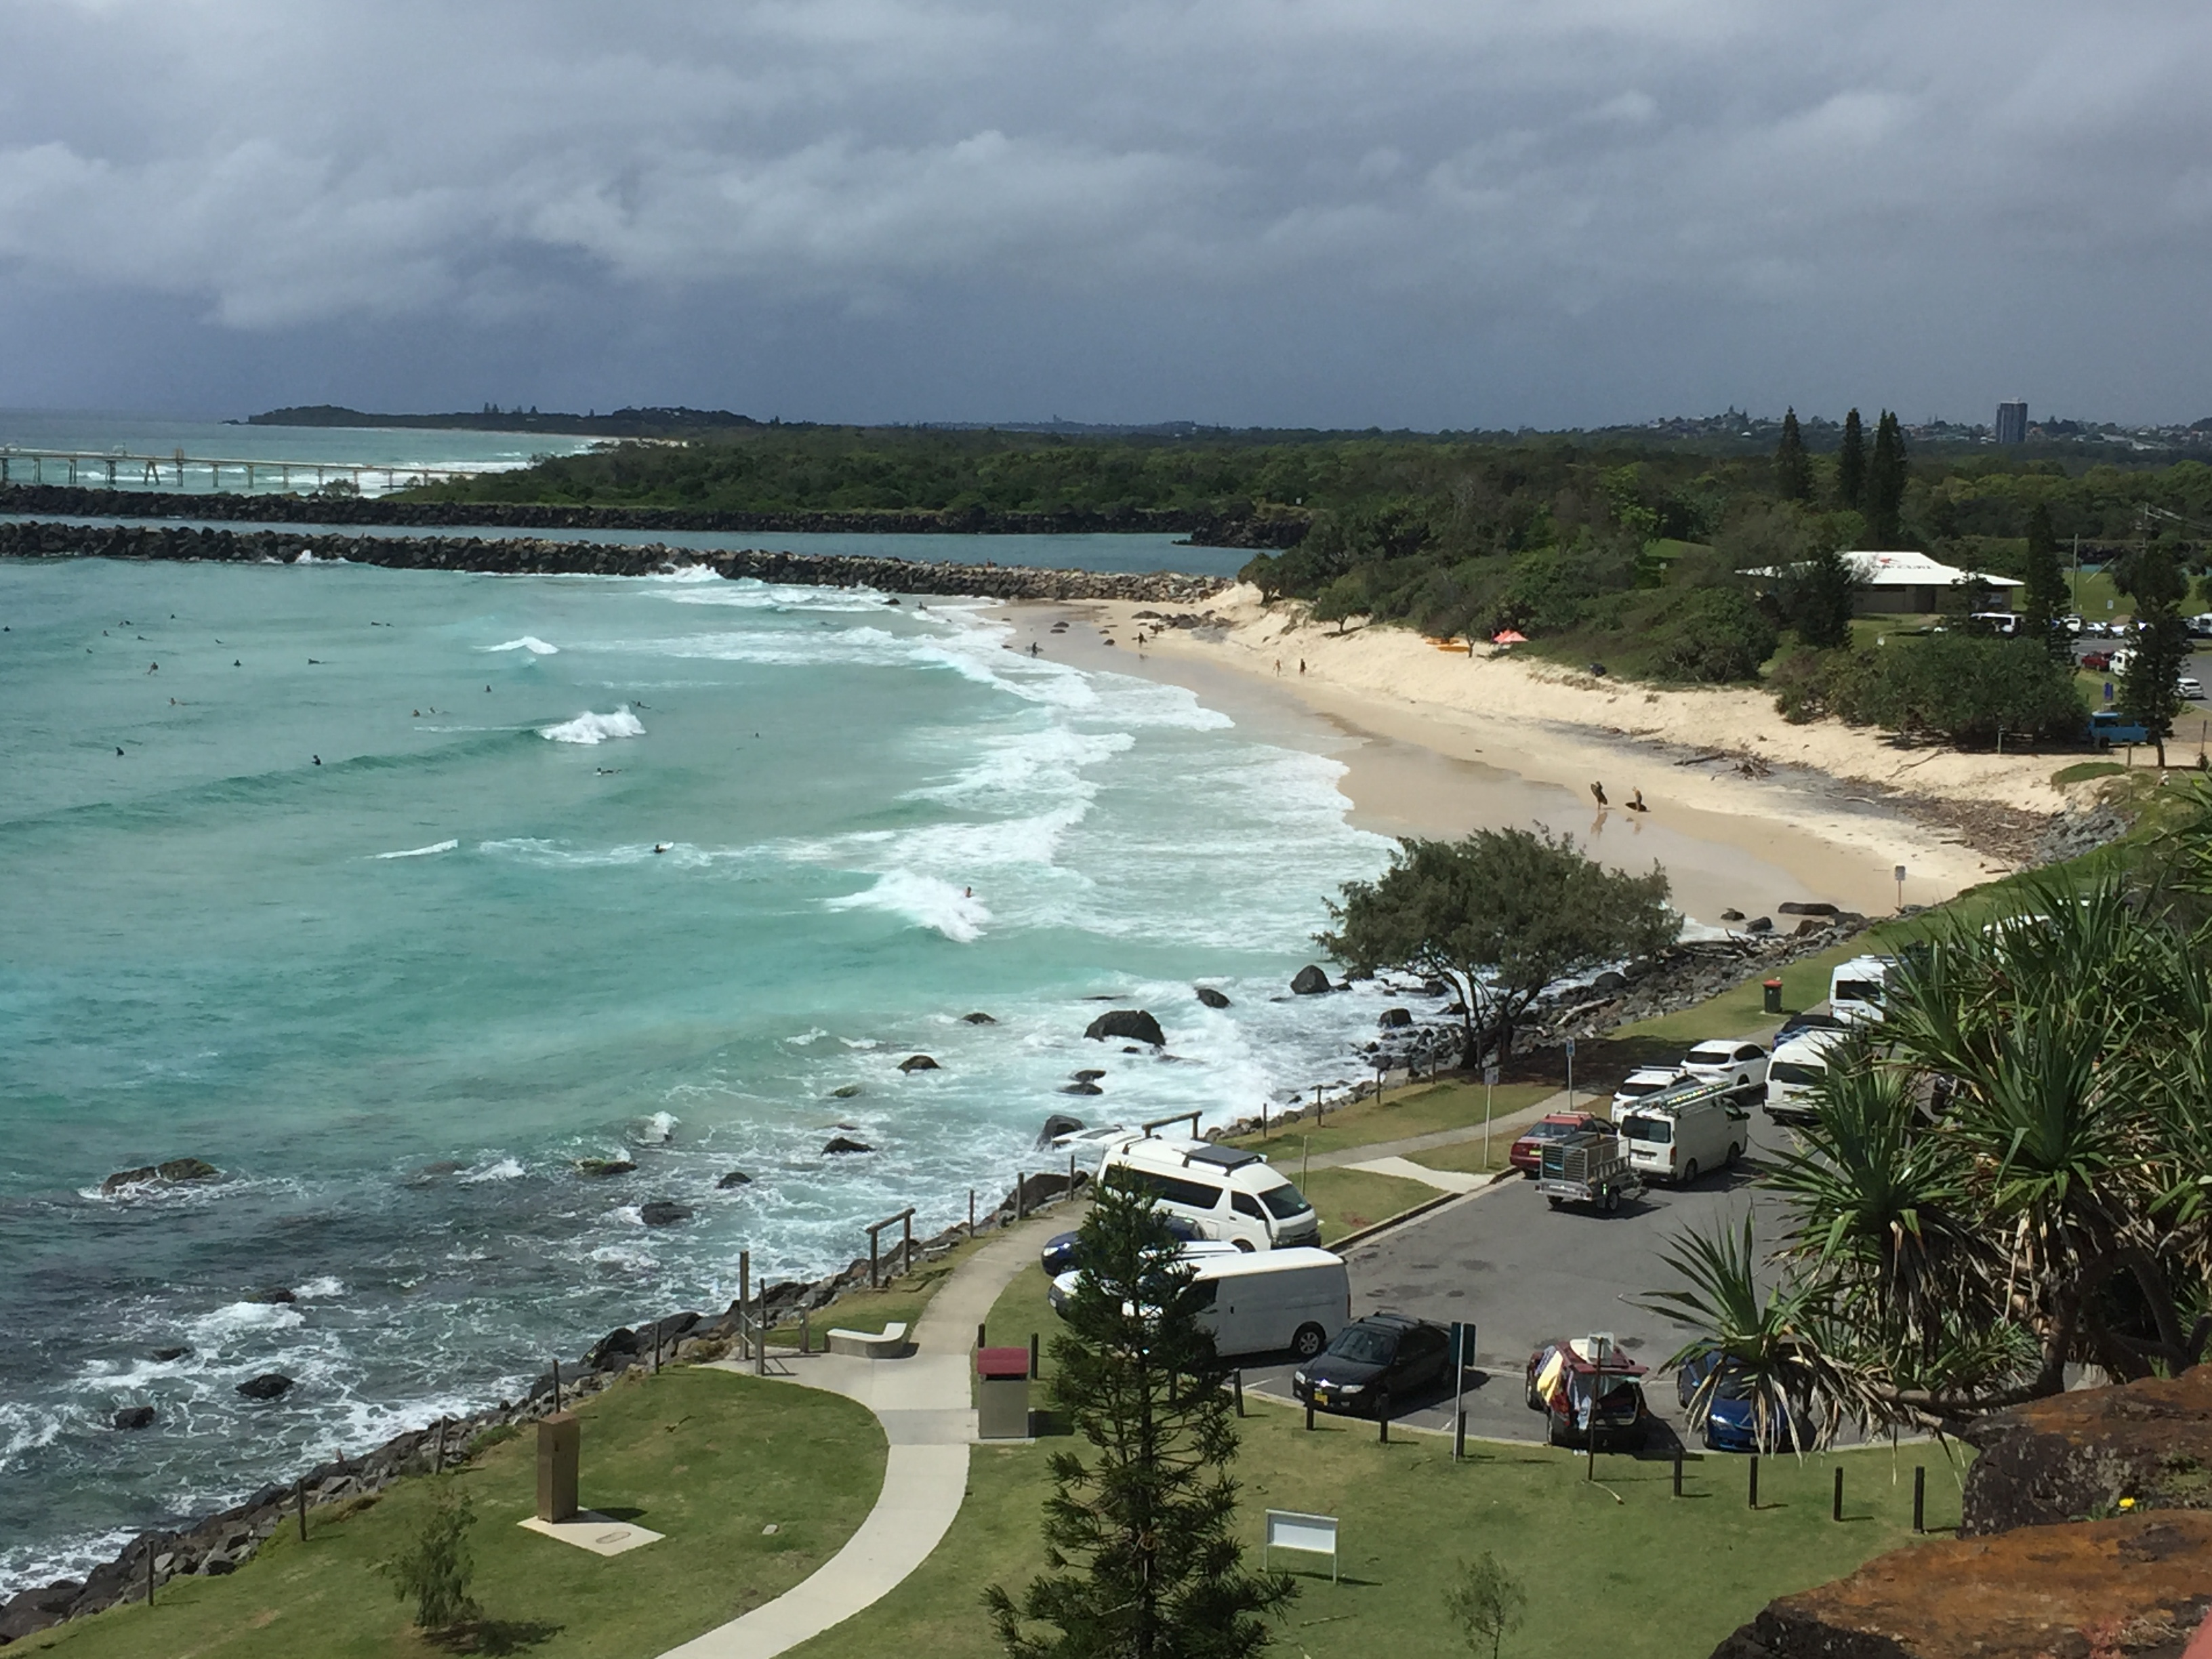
1420,212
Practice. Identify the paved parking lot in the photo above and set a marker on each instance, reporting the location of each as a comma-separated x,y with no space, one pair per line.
1525,1273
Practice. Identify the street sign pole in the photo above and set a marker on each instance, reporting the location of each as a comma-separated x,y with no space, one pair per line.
1571,1074
1489,1082
1899,873
1463,1342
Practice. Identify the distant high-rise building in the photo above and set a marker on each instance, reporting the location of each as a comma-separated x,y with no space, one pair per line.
2012,421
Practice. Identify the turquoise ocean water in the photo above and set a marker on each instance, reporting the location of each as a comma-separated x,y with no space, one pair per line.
454,942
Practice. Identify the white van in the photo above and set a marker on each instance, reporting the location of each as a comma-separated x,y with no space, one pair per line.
1858,987
1798,1067
1289,1299
1679,1133
1228,1193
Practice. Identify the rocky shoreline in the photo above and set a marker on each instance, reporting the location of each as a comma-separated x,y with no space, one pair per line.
534,556
1204,529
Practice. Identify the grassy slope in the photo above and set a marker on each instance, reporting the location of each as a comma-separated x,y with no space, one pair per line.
1647,1576
707,1457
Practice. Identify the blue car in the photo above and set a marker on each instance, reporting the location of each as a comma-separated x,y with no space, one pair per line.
1729,1423
1060,1250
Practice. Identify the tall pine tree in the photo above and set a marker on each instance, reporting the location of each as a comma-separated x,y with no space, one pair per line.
1793,468
2044,599
1851,464
1884,484
2150,687
1139,1542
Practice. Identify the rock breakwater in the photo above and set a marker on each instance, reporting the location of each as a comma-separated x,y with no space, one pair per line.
1275,529
535,556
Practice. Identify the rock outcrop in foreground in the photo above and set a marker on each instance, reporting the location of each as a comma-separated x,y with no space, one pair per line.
2086,1534
2137,1584
2079,1454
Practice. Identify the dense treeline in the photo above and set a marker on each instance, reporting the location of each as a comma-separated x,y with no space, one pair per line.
1650,557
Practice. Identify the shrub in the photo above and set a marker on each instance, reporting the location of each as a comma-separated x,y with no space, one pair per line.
435,1570
1710,634
1959,687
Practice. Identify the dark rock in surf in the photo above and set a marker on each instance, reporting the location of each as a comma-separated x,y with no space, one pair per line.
163,1356
1759,925
273,1295
1805,907
839,1145
1059,1123
1081,1089
735,1178
1310,982
270,1385
1396,1019
1088,1075
176,1170
597,1168
977,1019
919,1063
1133,1024
846,1093
134,1417
1212,998
1731,916
662,1213
444,1166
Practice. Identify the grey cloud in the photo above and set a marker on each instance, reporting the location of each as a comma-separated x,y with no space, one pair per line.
1452,211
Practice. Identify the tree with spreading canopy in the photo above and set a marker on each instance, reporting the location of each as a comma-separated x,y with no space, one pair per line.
1140,1546
1501,914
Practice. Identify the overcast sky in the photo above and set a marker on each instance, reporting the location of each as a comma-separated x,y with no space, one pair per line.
1427,213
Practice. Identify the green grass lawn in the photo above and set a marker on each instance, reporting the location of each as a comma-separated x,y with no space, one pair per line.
709,1457
1349,1199
1418,1108
1620,1567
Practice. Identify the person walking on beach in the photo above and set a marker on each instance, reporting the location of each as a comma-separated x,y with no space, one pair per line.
1598,791
1302,664
1278,667
1636,801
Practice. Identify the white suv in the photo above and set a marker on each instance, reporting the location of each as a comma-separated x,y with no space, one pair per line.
1743,1064
1644,1081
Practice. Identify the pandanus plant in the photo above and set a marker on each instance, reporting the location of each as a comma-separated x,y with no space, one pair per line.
2010,1176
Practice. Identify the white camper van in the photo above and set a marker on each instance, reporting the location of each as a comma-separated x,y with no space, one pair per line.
1798,1067
1682,1133
1229,1193
1264,1303
1857,988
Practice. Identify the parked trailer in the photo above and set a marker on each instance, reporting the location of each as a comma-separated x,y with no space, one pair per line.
1587,1168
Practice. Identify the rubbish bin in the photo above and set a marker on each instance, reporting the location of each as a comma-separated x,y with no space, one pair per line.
1002,1393
1773,996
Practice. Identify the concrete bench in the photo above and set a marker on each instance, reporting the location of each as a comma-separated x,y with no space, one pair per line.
867,1344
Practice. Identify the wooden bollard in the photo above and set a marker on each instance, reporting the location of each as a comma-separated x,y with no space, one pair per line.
1920,1498
1237,1382
1382,1419
971,1212
438,1448
149,1575
1309,1417
1678,1471
1836,1506
1033,1353
805,1333
556,1385
1755,1481
299,1498
981,1340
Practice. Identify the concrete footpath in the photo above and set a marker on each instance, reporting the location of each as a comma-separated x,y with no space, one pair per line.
923,1403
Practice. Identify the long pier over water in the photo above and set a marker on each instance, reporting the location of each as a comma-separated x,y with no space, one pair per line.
20,466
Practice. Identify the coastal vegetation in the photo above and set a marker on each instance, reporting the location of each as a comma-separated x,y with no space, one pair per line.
1500,915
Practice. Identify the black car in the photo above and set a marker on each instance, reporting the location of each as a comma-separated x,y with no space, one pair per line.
1381,1358
1806,1022
1060,1249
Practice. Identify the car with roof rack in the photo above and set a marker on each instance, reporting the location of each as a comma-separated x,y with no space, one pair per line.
1231,1193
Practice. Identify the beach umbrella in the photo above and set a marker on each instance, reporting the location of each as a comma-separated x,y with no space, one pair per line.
1510,636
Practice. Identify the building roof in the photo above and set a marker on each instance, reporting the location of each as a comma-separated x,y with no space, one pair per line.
1907,569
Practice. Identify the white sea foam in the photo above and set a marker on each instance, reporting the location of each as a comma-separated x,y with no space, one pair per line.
658,1128
805,1037
421,852
595,728
688,572
323,1288
924,901
530,642
233,1319
501,1169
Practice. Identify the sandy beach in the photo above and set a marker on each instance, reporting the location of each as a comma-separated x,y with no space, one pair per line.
1744,810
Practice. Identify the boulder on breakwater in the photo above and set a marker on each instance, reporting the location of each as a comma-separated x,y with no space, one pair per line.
1311,981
